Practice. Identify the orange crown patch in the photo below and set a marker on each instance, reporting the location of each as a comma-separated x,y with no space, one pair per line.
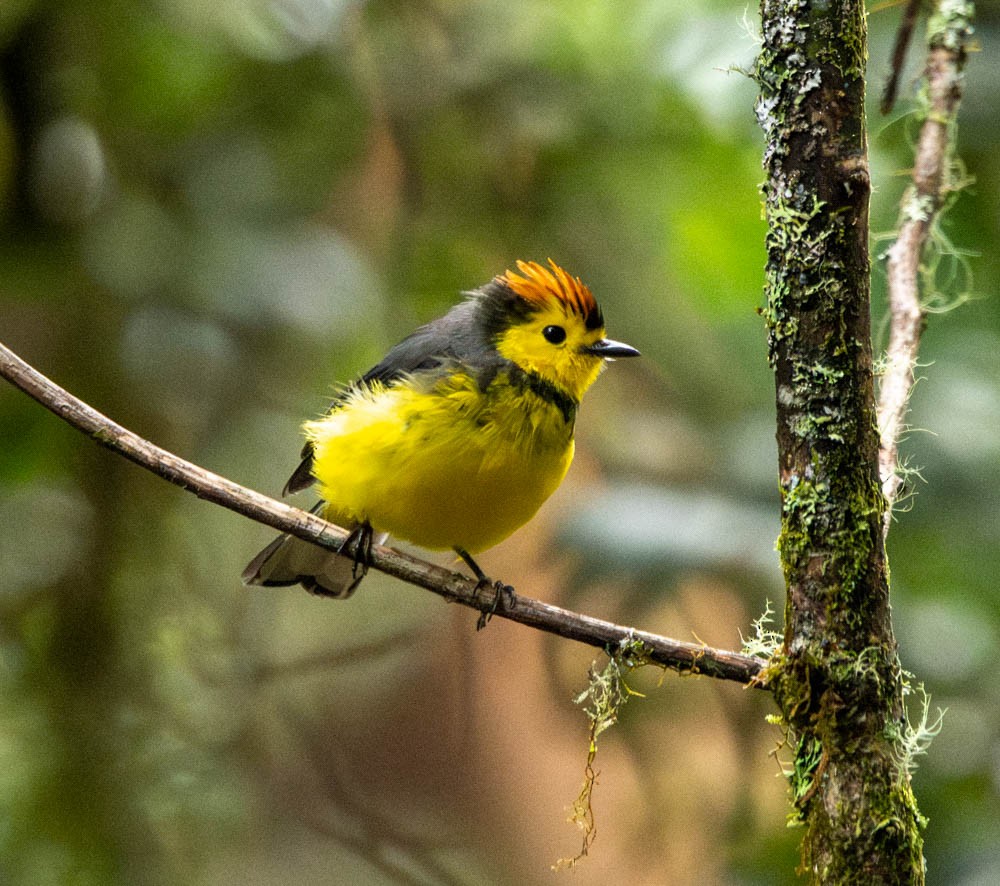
539,285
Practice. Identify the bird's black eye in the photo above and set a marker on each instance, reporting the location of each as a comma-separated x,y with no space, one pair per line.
555,335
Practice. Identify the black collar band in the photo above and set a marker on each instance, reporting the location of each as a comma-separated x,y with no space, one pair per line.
545,390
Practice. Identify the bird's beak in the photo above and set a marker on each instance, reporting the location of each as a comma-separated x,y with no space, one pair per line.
608,349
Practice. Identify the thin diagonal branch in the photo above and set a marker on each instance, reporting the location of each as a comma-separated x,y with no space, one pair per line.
902,43
949,32
453,586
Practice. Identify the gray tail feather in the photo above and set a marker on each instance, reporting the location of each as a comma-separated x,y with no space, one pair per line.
289,560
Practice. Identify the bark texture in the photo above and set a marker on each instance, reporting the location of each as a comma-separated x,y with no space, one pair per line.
837,679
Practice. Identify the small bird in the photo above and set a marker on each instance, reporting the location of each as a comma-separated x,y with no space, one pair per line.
456,438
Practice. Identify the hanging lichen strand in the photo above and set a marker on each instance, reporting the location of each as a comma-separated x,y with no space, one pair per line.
837,679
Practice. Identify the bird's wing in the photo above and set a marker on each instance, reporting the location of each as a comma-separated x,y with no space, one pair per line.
449,339
455,338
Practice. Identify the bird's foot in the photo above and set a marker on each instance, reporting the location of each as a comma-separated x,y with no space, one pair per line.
503,601
503,594
359,546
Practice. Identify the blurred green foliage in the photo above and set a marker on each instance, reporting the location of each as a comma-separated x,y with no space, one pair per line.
214,212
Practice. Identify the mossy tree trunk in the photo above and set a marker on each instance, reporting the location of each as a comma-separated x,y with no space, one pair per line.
837,679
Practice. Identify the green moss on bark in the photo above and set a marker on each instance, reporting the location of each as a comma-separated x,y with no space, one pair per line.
837,679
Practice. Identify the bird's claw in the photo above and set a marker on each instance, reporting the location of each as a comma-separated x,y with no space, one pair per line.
503,600
359,546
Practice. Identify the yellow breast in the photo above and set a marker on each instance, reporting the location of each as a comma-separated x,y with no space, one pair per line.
442,466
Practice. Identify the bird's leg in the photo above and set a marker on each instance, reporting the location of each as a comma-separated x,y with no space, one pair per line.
503,595
361,541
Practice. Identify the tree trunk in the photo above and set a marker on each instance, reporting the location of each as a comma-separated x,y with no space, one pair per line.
837,678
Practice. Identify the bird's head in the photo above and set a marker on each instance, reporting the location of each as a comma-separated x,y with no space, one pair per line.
548,322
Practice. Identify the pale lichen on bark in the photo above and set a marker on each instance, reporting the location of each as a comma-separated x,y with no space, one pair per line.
934,179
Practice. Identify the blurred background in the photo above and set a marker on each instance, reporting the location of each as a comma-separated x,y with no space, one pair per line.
212,213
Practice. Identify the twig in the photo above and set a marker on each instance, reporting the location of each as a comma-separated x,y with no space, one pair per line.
453,586
949,31
902,43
